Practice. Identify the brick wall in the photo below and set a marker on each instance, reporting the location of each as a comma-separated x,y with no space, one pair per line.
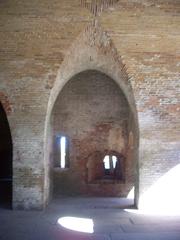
34,37
147,37
44,41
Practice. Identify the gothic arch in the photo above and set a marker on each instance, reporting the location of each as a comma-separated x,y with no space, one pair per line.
92,50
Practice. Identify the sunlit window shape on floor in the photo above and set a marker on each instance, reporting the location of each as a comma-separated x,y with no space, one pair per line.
163,197
85,225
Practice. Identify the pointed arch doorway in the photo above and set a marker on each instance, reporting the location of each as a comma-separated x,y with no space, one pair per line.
94,115
5,161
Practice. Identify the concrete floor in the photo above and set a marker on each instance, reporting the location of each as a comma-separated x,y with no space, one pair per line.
110,222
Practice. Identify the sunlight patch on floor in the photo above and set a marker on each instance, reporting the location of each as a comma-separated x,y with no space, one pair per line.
163,197
77,224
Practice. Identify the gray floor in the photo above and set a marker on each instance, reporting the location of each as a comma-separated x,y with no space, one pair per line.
111,222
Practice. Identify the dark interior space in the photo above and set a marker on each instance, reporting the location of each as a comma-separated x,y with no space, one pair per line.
5,161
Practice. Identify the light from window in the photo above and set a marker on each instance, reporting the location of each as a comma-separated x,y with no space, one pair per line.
109,161
63,152
106,162
114,160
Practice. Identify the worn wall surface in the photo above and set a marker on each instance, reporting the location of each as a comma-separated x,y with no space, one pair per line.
147,37
35,38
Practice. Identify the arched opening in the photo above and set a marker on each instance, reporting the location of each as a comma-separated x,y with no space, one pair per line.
5,161
92,112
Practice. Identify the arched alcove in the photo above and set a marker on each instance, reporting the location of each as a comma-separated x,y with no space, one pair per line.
92,112
92,51
5,161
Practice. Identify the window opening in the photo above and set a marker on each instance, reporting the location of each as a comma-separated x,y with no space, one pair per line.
114,160
112,167
110,162
106,162
62,152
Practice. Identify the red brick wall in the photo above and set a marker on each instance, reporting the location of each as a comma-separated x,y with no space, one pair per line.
38,38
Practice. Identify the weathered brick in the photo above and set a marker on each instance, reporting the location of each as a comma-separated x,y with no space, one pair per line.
44,44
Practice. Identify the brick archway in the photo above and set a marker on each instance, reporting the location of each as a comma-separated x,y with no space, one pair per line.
93,50
130,156
93,112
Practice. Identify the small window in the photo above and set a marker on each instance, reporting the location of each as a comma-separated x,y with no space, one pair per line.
112,167
62,152
106,162
109,164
